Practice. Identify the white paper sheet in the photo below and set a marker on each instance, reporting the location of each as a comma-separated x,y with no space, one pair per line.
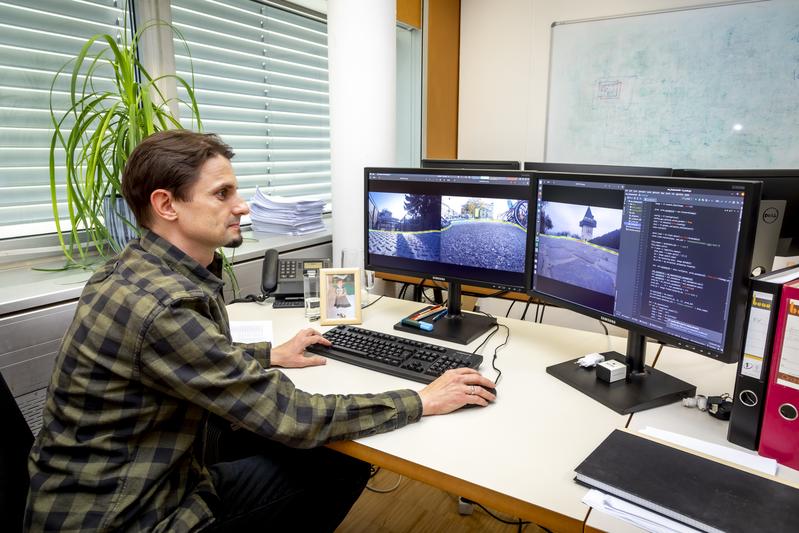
754,462
251,330
638,516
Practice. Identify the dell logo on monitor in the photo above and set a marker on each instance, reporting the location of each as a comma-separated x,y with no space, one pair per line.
770,215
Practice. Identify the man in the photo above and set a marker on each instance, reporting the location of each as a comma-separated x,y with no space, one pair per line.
148,360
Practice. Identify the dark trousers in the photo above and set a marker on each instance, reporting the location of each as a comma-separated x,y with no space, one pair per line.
265,486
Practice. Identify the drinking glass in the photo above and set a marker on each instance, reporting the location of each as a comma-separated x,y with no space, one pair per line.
310,289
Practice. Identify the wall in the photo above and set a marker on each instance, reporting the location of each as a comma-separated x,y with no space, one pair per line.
504,68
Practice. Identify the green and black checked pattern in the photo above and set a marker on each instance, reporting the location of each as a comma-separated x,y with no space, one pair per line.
148,356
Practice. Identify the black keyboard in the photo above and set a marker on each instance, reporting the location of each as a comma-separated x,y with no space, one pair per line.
389,354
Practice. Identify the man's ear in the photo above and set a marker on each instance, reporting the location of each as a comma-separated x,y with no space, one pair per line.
162,204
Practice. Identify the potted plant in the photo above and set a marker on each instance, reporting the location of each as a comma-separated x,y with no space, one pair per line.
113,104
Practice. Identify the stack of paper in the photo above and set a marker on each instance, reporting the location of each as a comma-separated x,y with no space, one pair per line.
287,216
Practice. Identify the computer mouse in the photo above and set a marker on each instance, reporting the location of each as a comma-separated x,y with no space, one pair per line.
470,405
490,389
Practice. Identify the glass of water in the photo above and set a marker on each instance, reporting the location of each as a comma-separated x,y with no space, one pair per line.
310,289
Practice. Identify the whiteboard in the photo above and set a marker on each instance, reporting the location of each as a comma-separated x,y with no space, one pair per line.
709,87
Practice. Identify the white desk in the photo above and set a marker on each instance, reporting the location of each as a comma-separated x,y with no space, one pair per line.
517,455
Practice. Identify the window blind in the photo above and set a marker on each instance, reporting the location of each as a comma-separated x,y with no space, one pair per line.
260,76
36,39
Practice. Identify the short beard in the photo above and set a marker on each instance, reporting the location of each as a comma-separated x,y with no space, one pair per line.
235,242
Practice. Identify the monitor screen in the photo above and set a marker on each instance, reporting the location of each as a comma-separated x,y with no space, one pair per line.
467,226
778,184
663,256
590,168
470,163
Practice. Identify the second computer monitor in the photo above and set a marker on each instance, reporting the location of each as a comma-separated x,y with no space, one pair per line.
664,258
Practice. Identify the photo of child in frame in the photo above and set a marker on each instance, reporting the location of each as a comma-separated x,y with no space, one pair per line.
341,296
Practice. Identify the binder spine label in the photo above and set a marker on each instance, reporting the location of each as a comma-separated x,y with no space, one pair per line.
788,372
756,335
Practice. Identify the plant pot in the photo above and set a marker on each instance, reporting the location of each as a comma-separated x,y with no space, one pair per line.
119,221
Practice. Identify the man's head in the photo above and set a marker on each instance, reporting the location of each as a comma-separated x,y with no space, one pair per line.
180,184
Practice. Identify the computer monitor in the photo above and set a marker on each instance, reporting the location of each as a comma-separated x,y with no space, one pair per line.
665,258
470,163
778,184
448,225
584,168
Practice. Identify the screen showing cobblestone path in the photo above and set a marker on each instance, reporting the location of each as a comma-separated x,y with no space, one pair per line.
464,226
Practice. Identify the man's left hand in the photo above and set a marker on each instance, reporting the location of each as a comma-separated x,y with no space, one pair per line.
291,354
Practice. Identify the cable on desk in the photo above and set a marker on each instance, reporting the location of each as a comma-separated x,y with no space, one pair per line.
497,348
494,359
402,291
526,307
494,330
543,308
509,308
250,298
372,303
603,327
655,361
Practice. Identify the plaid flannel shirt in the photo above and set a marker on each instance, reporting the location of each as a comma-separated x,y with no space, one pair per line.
148,356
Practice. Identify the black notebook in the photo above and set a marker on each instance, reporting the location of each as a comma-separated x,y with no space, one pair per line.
699,492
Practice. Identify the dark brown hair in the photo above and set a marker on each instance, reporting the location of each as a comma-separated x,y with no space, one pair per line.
169,160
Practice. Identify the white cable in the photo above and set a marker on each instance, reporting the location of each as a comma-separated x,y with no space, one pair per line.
384,491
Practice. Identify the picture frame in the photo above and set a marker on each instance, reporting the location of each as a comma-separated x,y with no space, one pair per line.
340,295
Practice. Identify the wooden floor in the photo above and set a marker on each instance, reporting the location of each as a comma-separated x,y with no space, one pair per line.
418,508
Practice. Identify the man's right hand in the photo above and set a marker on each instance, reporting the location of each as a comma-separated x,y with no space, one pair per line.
456,388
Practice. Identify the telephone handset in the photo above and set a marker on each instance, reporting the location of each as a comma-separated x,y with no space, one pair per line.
282,278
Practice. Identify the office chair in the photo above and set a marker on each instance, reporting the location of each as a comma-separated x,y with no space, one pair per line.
14,449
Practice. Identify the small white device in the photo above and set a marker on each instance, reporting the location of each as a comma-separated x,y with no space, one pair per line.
611,370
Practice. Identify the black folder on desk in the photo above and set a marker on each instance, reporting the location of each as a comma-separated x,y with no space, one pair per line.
699,492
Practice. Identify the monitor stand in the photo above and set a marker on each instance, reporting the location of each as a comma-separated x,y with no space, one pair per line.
643,389
456,326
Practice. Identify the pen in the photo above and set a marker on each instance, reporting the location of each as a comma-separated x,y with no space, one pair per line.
427,311
440,315
416,324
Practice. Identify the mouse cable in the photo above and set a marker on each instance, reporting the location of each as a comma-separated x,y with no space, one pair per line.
494,329
543,308
496,350
509,308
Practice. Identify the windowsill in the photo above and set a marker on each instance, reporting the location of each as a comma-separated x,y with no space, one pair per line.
22,288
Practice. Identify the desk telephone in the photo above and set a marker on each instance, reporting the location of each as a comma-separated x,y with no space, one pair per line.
282,278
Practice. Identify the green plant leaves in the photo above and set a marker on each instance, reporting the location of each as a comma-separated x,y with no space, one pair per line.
106,126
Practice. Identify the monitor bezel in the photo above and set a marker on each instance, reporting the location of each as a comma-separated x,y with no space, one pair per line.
469,164
591,168
733,344
521,288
